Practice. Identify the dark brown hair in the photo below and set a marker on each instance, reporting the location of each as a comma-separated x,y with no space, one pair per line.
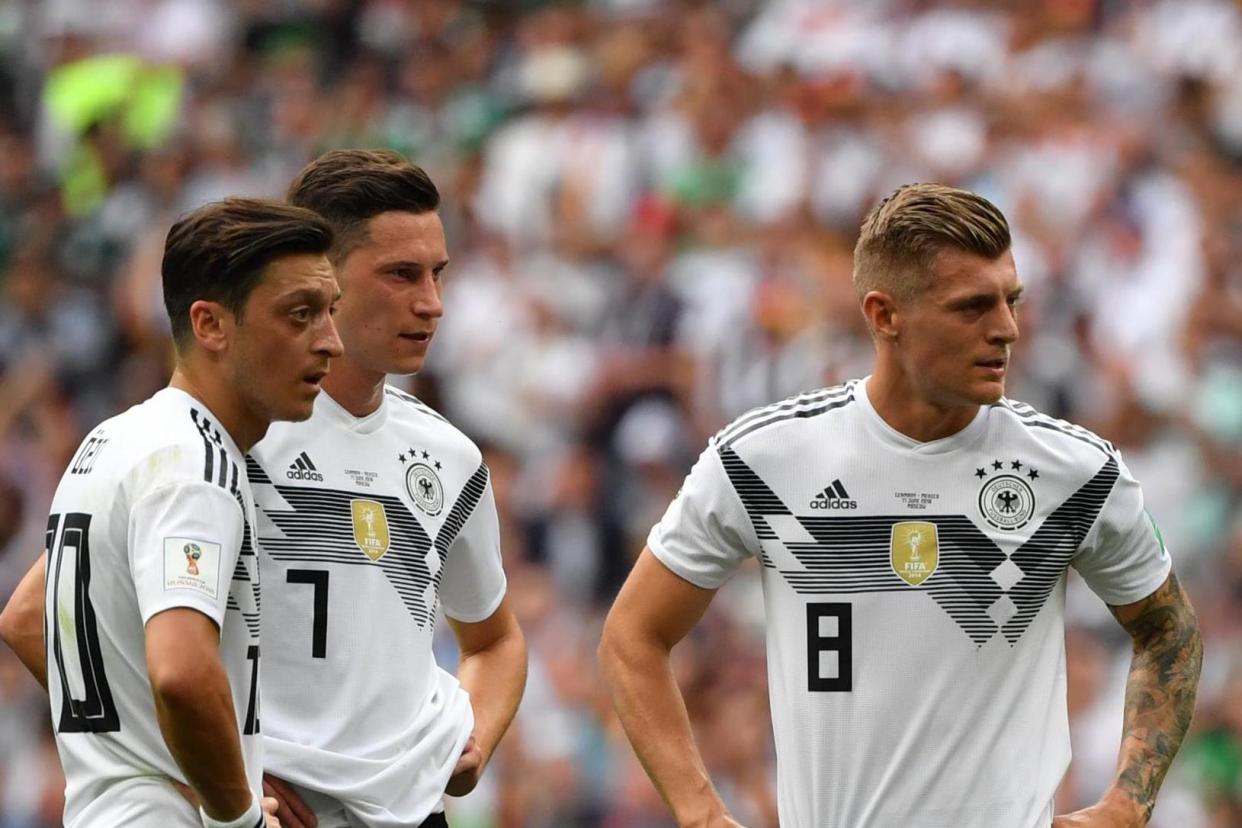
350,187
219,252
903,233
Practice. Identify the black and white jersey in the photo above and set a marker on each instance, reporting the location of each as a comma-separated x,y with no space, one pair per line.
914,595
368,526
153,513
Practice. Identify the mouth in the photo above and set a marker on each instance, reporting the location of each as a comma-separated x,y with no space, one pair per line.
994,366
314,378
417,336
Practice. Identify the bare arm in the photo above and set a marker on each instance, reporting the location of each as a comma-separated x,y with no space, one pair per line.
493,672
654,611
194,705
21,622
1160,699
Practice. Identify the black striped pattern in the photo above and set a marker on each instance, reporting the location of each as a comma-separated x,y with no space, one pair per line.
1045,557
318,528
809,404
756,497
219,469
216,460
256,473
853,554
459,514
246,561
414,402
1031,418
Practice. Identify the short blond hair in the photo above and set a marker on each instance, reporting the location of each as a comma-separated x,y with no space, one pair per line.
903,234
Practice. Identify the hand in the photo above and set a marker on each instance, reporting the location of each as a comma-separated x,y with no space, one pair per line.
269,806
468,770
1108,813
293,812
186,792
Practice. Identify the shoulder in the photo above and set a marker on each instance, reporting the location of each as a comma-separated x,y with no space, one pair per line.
770,421
171,441
1067,438
410,411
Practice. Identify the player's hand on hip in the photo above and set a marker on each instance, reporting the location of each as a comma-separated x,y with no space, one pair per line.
269,806
1102,815
291,810
186,792
468,770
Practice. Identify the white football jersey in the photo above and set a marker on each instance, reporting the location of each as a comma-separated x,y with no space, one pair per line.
154,512
367,526
914,595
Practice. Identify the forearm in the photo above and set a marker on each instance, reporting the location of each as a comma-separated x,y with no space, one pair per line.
653,713
495,677
21,622
1160,692
199,727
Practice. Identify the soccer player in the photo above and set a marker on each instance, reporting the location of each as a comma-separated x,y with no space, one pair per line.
151,599
914,531
373,515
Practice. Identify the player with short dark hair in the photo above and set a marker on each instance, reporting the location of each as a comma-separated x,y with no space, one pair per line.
374,514
914,531
351,187
152,584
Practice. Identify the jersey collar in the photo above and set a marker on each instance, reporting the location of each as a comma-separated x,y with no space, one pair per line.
892,437
330,409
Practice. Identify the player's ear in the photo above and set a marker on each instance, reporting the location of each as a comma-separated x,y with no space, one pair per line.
211,324
880,310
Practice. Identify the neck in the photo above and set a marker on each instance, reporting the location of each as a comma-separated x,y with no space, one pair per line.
356,389
218,396
900,404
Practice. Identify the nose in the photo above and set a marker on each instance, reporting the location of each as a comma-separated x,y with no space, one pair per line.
1005,327
328,342
426,300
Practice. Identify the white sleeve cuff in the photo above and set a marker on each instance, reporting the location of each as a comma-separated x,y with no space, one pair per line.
253,818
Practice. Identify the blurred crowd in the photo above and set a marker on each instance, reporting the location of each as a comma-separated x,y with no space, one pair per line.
651,207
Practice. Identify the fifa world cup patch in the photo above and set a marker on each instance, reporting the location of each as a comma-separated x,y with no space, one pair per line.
192,564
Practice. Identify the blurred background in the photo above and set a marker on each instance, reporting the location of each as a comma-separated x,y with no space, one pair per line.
651,207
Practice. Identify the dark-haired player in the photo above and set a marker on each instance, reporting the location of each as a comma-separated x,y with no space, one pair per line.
151,592
374,514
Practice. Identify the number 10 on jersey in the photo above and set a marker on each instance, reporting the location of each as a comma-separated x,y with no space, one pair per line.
86,700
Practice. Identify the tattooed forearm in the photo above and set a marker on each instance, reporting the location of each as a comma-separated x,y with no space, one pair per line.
1160,692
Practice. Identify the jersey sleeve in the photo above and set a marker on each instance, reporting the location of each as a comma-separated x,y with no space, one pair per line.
705,534
474,581
184,539
1123,558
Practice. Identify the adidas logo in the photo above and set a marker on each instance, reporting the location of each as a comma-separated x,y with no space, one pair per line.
834,497
303,469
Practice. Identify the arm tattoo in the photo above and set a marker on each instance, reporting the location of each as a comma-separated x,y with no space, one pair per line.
1160,691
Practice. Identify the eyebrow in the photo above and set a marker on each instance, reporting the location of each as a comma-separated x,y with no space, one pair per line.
411,263
980,298
306,295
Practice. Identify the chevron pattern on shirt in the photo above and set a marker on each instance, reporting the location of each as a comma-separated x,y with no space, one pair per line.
1045,556
851,554
318,528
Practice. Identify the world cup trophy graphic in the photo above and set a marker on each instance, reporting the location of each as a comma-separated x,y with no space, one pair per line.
915,540
368,517
192,554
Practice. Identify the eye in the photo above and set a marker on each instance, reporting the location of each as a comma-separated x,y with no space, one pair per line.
302,314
